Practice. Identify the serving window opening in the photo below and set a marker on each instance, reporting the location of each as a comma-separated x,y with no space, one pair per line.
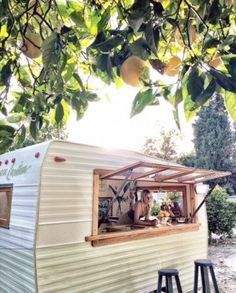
5,206
169,206
173,203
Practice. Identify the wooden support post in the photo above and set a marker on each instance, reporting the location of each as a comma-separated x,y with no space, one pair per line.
95,205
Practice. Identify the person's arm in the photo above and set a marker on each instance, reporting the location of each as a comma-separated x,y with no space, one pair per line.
138,214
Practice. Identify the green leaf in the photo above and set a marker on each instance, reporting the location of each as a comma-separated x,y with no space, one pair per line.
24,77
150,38
142,99
5,144
224,81
138,12
6,73
104,20
141,49
215,12
51,51
195,84
34,129
189,108
62,10
230,64
21,136
109,44
210,42
135,21
205,95
77,104
14,118
104,64
158,8
23,100
3,110
6,130
230,102
79,80
178,97
91,97
3,31
176,117
59,113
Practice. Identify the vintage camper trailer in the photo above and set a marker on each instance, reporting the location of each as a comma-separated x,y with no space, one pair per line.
52,196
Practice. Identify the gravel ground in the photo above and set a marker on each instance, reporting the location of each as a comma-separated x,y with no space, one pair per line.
223,255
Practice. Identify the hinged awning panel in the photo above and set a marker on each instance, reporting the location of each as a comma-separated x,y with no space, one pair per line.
162,173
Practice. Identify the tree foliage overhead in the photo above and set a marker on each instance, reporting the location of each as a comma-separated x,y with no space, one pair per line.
51,49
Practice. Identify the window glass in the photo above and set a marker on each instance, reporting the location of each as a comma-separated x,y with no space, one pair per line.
168,202
5,206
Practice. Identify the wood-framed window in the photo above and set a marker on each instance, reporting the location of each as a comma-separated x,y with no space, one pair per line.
101,237
5,205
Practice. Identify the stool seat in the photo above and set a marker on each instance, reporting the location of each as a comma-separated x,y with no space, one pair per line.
204,265
168,274
203,262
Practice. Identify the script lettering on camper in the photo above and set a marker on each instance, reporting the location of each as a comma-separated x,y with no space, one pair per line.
14,171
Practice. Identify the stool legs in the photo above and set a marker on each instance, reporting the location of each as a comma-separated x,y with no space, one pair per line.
203,265
168,274
195,279
169,285
159,284
178,284
214,280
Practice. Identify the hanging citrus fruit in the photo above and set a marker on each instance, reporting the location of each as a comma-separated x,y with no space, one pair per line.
134,70
216,62
172,66
32,43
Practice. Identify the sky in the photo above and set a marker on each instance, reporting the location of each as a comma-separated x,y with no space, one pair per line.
107,123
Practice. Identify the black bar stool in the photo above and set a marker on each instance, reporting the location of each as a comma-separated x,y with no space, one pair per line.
168,274
204,264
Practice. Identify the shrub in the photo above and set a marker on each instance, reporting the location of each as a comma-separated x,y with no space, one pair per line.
221,213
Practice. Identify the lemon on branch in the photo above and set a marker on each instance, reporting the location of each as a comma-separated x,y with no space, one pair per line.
134,71
216,62
172,66
32,43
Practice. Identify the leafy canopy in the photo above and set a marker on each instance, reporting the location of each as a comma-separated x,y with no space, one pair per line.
78,40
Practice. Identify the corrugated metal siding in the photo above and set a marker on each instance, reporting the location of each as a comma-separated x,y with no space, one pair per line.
17,260
66,200
17,273
66,188
127,267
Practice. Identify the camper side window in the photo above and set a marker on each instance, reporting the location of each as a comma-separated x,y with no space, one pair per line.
5,206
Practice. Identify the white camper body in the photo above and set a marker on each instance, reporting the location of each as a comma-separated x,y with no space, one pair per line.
50,244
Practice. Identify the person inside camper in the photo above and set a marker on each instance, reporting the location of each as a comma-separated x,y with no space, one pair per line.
176,209
141,209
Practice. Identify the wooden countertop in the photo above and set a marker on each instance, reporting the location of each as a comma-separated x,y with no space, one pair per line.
123,233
